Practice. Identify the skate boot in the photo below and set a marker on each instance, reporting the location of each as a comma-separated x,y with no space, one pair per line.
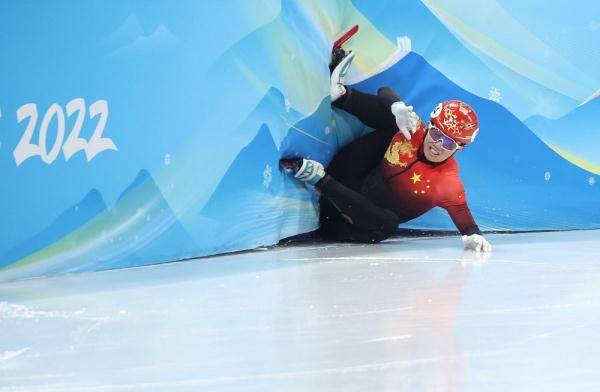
336,58
336,83
303,169
337,52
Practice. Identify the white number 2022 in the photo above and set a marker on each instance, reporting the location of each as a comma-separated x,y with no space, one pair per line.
25,149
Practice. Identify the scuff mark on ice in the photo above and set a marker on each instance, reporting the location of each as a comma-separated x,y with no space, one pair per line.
5,356
389,339
16,311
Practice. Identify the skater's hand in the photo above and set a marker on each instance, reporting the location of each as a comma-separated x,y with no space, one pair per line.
406,120
477,243
336,87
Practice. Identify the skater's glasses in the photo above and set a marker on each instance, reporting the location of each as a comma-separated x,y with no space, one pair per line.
447,142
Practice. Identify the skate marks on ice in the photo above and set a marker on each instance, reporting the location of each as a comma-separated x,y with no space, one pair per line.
5,356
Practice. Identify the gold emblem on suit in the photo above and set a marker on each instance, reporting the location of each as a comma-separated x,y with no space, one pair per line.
398,149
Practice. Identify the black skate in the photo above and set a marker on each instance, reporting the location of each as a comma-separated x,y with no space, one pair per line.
337,52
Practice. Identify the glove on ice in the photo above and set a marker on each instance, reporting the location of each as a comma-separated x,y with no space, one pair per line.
477,243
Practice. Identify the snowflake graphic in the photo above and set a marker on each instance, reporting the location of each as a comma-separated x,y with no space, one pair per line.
327,130
495,95
288,105
267,176
547,176
591,181
167,159
404,43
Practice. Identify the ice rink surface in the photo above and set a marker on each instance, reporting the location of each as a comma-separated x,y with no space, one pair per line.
416,314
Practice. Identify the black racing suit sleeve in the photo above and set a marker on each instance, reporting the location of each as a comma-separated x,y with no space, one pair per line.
372,110
463,219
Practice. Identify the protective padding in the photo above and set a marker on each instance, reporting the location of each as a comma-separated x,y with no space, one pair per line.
134,134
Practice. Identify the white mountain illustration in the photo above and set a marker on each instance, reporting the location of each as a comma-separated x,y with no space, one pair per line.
129,39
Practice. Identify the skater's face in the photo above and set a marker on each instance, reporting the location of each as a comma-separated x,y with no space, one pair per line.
438,147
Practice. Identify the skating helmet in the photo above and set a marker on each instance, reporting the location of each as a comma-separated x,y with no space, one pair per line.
457,120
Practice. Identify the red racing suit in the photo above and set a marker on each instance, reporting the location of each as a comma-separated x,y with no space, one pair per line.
414,185
404,181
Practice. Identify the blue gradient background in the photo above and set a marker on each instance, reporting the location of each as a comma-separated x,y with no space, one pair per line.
205,97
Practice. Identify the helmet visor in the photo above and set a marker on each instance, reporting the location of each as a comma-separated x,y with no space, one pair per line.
436,135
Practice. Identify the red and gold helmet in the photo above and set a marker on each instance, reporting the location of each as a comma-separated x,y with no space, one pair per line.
457,120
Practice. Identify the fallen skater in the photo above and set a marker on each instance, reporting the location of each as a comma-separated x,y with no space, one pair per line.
394,174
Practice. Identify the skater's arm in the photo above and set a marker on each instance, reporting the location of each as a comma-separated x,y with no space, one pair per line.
455,202
372,110
456,205
463,219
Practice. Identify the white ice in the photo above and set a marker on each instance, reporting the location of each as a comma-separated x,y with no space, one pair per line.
405,315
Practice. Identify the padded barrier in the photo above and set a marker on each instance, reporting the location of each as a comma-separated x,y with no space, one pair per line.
134,134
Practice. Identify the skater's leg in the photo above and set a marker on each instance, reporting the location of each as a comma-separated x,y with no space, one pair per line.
360,157
346,214
333,226
356,209
372,110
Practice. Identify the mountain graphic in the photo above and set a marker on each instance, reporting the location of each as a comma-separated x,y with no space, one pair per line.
321,133
575,133
256,165
139,229
71,219
255,204
479,75
313,136
158,236
124,34
256,169
142,179
161,40
275,112
513,180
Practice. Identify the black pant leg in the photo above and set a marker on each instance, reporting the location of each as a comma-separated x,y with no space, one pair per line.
361,156
372,110
347,215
